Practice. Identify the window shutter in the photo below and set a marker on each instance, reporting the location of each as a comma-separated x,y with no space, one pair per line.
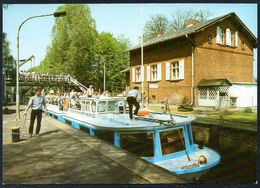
181,69
236,38
159,76
148,73
218,39
142,73
228,37
133,74
168,70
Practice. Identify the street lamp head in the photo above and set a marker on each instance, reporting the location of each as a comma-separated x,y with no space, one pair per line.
59,14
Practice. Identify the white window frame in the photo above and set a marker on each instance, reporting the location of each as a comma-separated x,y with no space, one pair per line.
175,70
154,72
220,35
138,74
231,38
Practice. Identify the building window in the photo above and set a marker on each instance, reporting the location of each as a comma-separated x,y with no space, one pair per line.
175,70
138,74
209,39
232,38
154,70
220,35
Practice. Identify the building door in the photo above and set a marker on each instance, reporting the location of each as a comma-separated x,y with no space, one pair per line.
223,100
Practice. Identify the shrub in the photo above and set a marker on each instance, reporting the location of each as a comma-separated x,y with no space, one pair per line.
247,110
185,105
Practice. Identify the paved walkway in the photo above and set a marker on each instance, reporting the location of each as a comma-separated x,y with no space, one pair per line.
64,155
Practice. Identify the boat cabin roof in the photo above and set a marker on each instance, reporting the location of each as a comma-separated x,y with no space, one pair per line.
101,105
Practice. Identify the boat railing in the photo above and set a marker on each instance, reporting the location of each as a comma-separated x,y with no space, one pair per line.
80,112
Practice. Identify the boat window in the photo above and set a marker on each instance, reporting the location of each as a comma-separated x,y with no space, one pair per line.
172,141
83,105
101,106
111,105
93,106
87,106
141,144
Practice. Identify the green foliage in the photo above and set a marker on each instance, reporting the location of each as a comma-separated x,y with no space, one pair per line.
248,110
158,24
8,60
185,105
178,21
236,116
77,49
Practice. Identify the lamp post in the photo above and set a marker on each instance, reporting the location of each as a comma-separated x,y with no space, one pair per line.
104,76
55,14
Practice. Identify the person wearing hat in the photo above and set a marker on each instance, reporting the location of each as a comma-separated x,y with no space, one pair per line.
36,102
133,98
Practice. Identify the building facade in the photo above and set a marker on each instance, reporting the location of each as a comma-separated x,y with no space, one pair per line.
200,62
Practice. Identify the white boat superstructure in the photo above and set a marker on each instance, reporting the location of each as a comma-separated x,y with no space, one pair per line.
163,139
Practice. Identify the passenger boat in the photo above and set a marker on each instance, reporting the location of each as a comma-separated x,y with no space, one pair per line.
165,140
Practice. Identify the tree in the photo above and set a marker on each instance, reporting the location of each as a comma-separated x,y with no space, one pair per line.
77,49
73,41
8,60
179,18
160,24
157,25
109,53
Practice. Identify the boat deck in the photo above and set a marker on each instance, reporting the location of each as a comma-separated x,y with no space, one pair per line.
64,155
183,165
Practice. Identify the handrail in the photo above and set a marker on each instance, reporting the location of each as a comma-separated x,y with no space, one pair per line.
34,77
81,86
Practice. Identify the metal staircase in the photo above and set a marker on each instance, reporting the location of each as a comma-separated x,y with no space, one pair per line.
81,86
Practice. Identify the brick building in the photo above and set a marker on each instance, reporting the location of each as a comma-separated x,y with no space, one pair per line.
200,62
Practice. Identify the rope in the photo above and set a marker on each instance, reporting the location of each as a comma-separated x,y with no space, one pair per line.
20,133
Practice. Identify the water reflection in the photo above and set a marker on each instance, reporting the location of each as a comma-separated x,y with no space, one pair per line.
238,150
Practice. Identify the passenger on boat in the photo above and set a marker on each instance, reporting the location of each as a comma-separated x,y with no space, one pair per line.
90,91
133,98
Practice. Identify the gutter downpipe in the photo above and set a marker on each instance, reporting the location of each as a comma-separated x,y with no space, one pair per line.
192,70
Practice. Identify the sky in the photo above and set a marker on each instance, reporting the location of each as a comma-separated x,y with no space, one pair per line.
118,19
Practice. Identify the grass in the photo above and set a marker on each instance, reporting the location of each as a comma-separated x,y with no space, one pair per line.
236,116
233,116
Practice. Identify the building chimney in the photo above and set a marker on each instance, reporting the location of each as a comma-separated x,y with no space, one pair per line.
191,22
159,33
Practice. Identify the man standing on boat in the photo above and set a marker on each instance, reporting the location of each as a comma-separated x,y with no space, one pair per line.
133,98
36,102
90,91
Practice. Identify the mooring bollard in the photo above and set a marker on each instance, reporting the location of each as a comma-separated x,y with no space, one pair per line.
15,134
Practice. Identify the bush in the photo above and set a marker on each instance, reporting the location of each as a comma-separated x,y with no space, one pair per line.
185,105
247,110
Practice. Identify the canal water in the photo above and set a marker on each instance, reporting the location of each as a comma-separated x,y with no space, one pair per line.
238,150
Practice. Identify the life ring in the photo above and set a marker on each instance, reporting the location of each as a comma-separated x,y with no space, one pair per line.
143,112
